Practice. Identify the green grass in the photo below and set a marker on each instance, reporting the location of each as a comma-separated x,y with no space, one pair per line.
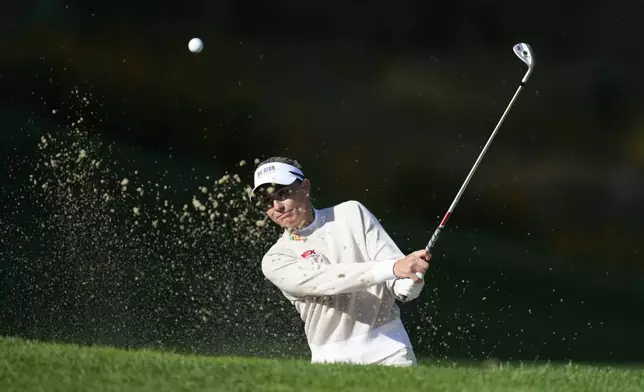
27,366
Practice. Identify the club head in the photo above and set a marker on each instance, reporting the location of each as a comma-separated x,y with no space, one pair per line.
524,52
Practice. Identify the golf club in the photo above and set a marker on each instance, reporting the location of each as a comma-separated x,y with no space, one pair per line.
524,52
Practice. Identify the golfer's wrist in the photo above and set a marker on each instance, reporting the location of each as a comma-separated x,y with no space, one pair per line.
384,270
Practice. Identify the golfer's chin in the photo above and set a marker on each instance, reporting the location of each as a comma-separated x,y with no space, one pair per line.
291,222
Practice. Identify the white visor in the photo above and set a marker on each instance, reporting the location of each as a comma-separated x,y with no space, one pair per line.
276,173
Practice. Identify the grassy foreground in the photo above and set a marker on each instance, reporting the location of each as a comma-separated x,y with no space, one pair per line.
29,366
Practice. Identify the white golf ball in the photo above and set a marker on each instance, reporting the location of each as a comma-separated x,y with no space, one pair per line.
195,45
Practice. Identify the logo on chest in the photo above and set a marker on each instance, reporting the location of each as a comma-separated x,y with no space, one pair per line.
313,256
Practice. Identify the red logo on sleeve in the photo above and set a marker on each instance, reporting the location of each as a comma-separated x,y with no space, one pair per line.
308,253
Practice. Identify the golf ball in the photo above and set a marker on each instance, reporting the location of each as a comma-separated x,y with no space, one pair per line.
195,45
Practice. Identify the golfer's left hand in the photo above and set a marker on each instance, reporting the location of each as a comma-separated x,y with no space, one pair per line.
407,290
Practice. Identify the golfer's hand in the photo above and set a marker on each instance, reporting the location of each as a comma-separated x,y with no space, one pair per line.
407,290
415,262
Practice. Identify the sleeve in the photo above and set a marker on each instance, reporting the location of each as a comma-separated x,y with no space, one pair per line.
302,277
378,243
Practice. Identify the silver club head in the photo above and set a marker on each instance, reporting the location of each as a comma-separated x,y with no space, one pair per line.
524,52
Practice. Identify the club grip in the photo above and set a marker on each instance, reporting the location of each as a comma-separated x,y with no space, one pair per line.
418,274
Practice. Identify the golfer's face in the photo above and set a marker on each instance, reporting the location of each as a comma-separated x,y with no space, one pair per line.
286,205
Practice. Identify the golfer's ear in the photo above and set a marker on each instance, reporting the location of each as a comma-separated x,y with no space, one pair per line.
306,185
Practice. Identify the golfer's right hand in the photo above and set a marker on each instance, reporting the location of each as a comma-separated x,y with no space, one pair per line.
408,266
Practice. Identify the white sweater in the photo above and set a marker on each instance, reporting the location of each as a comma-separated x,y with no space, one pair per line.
338,272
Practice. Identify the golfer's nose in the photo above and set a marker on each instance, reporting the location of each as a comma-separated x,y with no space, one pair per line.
278,205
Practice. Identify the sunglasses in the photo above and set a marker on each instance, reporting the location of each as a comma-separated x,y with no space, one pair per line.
266,197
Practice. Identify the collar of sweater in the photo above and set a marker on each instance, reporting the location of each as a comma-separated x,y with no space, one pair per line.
300,235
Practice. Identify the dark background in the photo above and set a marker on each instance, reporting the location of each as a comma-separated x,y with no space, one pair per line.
387,103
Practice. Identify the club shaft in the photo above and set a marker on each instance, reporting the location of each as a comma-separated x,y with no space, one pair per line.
434,237
526,56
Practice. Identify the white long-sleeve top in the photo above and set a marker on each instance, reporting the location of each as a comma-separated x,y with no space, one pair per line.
338,272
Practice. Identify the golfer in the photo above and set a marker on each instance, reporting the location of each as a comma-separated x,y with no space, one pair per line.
340,269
